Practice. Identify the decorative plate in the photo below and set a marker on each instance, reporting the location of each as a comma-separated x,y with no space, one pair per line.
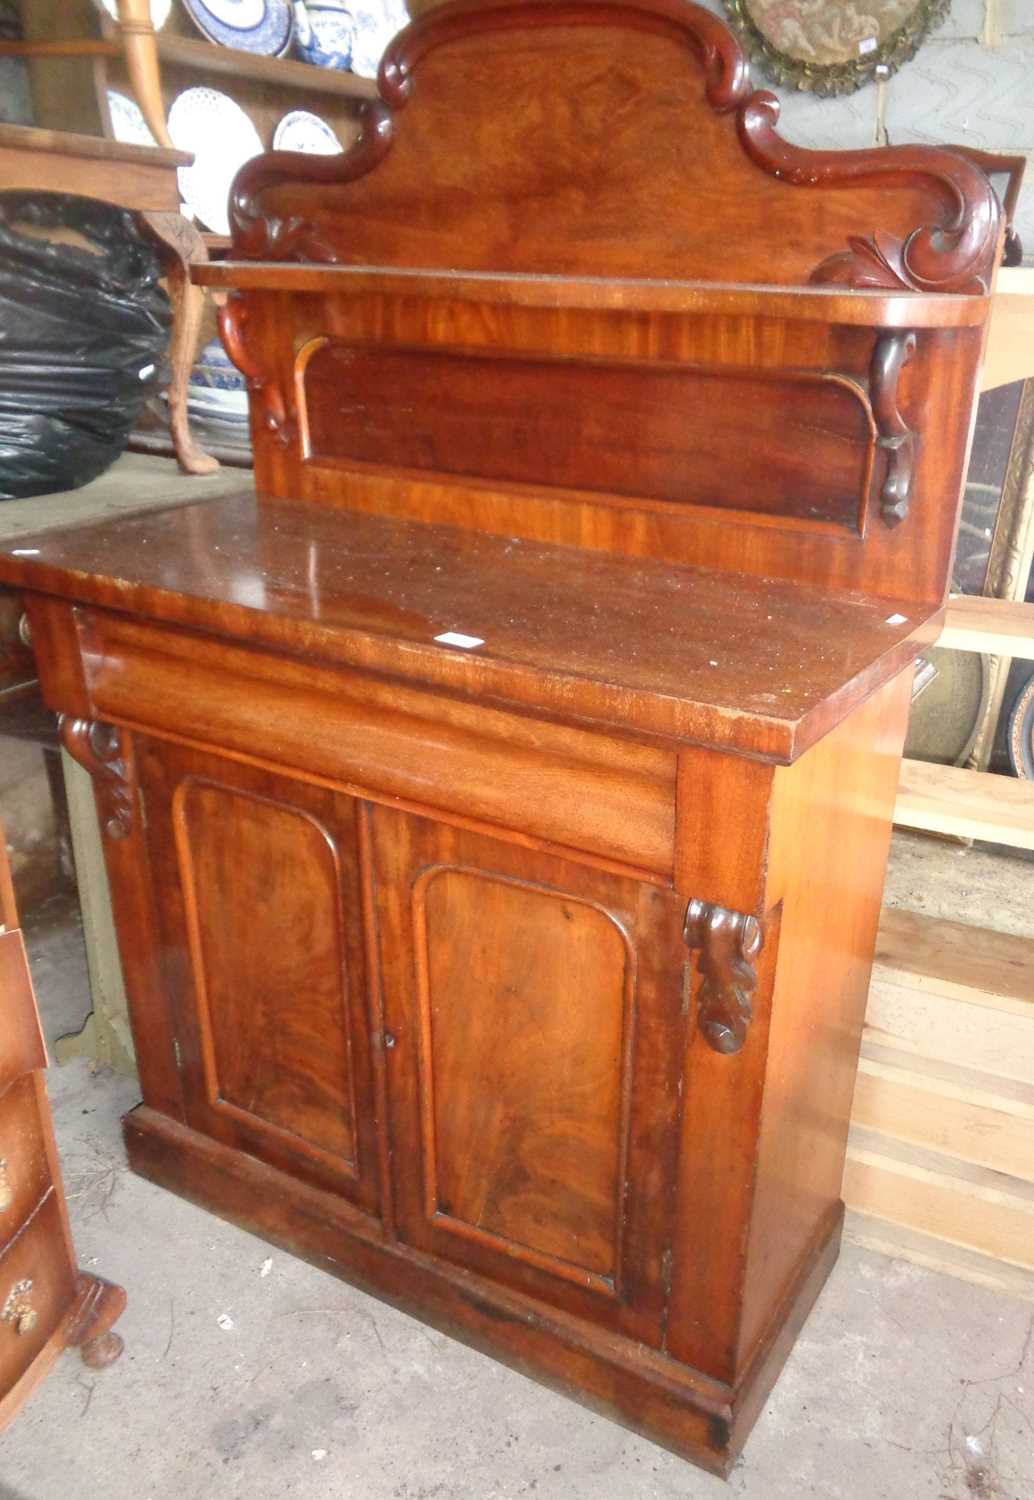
127,123
324,32
222,139
302,131
249,25
159,15
376,22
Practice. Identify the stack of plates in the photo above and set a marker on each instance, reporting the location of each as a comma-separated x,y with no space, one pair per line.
347,33
216,388
376,22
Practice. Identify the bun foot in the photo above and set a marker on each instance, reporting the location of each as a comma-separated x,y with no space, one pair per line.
100,1303
101,1352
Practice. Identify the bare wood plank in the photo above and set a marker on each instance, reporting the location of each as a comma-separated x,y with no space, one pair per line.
926,1250
953,1080
970,804
1001,627
956,959
1010,341
931,1025
948,1209
986,1134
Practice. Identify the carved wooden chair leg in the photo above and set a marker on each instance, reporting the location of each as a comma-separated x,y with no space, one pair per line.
101,1304
182,245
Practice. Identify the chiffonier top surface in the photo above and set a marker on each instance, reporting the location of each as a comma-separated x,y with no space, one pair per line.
644,647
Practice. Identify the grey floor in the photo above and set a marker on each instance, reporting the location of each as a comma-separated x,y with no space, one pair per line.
250,1376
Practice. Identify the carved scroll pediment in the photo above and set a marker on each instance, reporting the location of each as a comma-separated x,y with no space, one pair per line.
543,156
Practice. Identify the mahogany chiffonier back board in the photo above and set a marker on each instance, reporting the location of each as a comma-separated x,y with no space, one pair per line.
496,804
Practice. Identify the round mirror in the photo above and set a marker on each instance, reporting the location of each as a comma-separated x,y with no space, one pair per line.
833,46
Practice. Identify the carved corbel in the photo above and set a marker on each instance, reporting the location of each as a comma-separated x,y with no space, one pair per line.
896,438
98,749
728,942
954,253
234,318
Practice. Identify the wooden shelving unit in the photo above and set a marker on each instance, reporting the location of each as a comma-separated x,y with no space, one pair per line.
204,57
974,804
940,1161
967,804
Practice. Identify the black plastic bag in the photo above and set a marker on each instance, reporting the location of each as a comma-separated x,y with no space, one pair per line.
82,340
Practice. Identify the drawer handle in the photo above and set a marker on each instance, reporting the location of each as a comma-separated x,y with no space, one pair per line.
19,1310
6,1190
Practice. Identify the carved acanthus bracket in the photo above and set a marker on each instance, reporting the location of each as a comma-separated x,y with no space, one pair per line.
234,318
955,254
98,749
728,942
896,438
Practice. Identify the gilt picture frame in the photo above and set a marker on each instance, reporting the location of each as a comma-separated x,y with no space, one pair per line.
830,47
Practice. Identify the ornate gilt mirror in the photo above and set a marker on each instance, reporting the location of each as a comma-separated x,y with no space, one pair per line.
833,46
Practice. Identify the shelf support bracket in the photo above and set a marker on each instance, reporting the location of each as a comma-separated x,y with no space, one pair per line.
896,438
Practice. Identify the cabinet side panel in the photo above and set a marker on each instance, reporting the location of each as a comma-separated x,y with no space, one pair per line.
831,823
264,920
524,1101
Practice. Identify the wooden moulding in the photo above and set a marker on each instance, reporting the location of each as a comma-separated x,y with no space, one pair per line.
853,308
940,1162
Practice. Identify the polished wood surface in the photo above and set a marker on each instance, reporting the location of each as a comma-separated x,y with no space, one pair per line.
683,653
545,1129
261,908
496,802
863,307
540,422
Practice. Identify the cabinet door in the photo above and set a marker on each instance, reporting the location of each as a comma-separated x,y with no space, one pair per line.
535,1034
262,949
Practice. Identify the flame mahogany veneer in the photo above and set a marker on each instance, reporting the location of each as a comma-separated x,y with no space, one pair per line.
521,981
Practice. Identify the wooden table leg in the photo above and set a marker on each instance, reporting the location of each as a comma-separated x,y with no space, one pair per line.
182,245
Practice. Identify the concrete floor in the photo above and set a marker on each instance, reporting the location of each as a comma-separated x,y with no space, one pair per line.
251,1376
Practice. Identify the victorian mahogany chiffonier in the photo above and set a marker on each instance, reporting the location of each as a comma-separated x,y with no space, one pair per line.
496,804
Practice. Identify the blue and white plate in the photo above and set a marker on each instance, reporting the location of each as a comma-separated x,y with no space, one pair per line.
376,22
324,32
216,387
262,26
303,131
